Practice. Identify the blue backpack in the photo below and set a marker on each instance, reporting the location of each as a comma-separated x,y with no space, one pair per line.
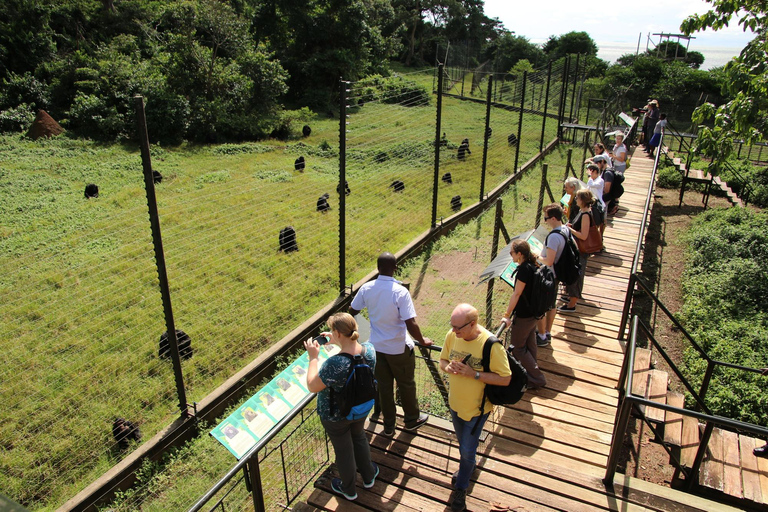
360,390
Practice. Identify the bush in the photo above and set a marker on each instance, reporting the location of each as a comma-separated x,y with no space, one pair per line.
669,177
16,119
725,289
394,90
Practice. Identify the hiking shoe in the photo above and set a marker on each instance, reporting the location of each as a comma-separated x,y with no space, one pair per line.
459,503
566,309
423,417
761,451
368,485
337,488
543,342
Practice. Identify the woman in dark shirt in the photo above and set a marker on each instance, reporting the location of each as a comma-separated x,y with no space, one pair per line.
580,229
348,438
523,330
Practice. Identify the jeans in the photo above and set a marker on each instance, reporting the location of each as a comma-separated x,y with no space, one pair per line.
350,444
467,445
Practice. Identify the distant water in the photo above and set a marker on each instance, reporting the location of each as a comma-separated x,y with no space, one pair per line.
713,56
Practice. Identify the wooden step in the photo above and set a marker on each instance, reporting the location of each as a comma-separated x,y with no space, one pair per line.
640,374
750,471
690,441
673,422
731,464
657,392
711,474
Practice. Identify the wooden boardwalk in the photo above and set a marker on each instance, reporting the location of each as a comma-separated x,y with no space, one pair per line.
549,451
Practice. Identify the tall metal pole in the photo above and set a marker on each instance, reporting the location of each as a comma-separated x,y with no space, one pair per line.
487,135
520,121
157,240
343,183
494,252
437,143
540,206
546,107
563,94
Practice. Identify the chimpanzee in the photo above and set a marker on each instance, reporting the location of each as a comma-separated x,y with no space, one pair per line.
299,164
464,149
456,203
322,203
447,178
287,239
306,130
397,186
157,177
489,132
124,431
91,190
347,190
512,139
182,340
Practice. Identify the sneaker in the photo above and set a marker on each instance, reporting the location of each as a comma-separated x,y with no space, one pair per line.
336,486
368,485
566,309
389,431
454,476
543,342
459,503
423,417
761,451
564,298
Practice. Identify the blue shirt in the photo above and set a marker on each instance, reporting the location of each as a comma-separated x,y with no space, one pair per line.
334,373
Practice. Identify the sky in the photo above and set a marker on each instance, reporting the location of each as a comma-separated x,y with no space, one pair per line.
617,24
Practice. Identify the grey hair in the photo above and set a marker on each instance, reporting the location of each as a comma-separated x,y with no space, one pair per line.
573,182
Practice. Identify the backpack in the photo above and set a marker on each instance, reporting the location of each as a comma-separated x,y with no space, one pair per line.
502,395
543,291
356,398
568,267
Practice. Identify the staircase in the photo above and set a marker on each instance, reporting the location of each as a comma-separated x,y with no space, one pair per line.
697,176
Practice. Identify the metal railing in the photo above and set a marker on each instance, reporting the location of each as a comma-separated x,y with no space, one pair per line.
629,401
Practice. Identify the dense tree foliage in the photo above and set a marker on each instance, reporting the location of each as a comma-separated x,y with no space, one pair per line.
745,115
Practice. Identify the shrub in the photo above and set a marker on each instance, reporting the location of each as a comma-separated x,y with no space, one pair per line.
669,177
16,119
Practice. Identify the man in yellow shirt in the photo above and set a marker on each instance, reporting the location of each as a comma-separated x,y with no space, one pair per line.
461,359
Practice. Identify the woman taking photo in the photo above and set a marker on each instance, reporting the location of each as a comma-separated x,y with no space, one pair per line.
580,229
571,186
522,332
348,438
620,154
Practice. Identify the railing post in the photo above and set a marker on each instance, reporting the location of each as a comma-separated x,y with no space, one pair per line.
619,431
494,252
546,107
627,306
437,141
573,93
705,381
520,121
342,188
563,94
692,478
257,493
487,136
157,240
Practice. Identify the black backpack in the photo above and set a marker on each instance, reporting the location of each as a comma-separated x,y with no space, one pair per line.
543,291
358,395
503,395
568,267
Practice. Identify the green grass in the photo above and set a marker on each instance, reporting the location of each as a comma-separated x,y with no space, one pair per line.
83,316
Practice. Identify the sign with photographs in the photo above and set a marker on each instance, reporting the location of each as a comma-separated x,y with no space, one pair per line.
536,241
240,431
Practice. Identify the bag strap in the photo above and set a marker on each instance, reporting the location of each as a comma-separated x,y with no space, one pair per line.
486,362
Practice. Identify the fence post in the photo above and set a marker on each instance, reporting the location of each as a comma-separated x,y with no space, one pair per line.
617,442
520,121
541,195
546,107
487,136
342,184
437,141
254,473
494,252
575,80
563,94
157,240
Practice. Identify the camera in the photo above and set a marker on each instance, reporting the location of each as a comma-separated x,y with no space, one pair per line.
322,340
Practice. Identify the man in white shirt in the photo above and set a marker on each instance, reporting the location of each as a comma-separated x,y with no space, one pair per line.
391,313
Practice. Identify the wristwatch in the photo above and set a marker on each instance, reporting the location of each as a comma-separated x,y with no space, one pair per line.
477,375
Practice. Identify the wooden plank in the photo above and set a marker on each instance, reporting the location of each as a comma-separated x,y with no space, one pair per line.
731,464
690,441
324,500
657,392
712,468
762,466
640,375
673,422
750,477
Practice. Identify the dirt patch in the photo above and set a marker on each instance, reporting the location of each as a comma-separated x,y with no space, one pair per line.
44,126
664,262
